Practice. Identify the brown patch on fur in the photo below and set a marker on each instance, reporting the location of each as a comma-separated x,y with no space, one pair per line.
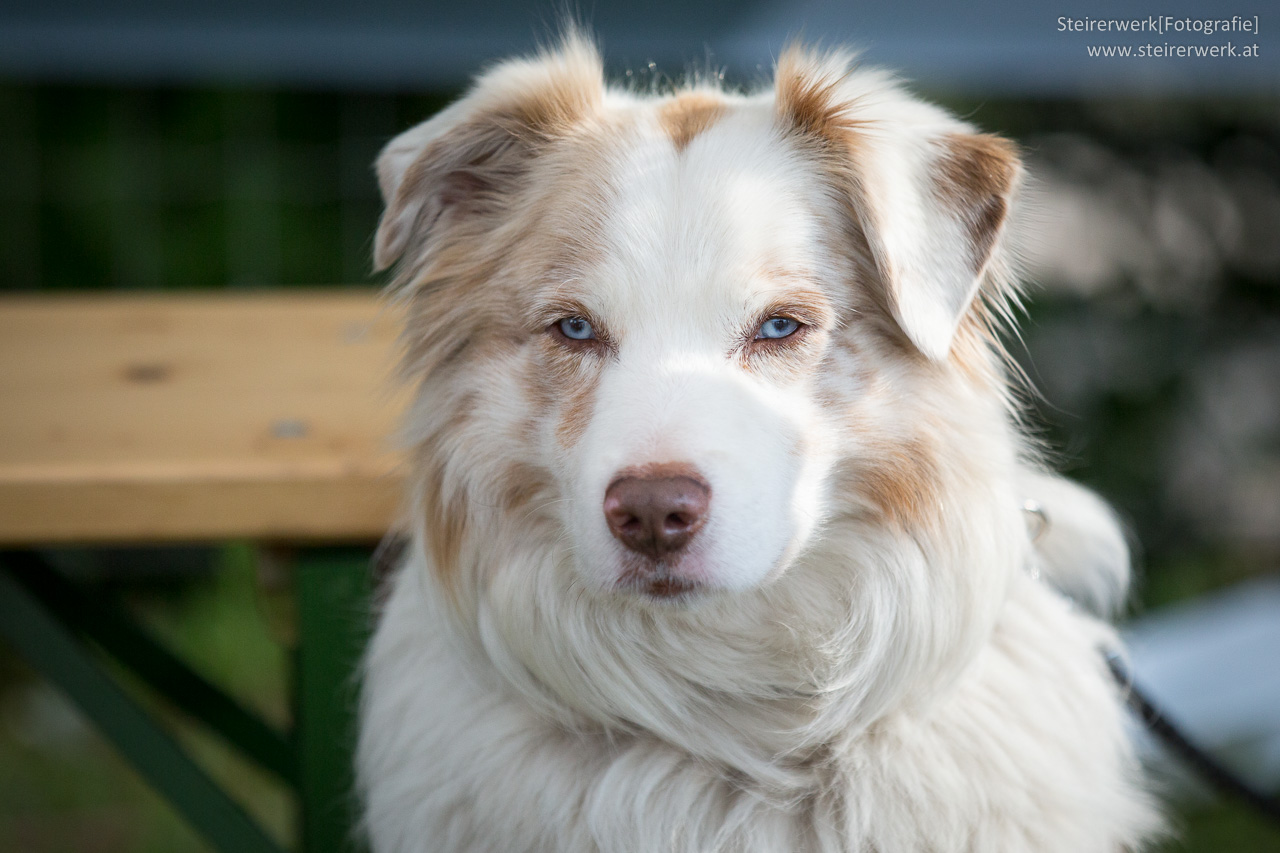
688,115
903,484
445,328
562,376
576,414
555,90
806,97
975,166
445,517
548,114
975,177
521,484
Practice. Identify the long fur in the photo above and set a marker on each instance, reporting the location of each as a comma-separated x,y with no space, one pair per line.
872,659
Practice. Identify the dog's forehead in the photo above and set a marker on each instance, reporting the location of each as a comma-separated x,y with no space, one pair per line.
708,222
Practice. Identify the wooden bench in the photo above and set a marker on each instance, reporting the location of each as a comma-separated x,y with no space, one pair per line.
198,418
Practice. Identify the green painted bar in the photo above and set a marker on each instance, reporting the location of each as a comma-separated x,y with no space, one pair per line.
54,651
333,588
161,670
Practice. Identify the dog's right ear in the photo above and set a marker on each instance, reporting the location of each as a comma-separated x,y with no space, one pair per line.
464,160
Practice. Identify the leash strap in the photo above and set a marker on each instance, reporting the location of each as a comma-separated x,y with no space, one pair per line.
1198,759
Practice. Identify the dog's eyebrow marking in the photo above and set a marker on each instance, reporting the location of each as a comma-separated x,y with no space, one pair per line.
802,298
689,114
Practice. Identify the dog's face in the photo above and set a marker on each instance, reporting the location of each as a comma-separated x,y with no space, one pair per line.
683,353
676,336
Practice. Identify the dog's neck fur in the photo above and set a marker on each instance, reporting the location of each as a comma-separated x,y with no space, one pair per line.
773,762
761,683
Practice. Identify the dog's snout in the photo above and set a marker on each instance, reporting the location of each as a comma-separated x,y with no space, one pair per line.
656,515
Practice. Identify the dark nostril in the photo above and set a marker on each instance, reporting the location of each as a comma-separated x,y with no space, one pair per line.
656,515
677,522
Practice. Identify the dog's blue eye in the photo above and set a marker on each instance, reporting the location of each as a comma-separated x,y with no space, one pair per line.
777,327
576,329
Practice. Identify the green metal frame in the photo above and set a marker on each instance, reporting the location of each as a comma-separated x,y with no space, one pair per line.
117,635
58,629
333,590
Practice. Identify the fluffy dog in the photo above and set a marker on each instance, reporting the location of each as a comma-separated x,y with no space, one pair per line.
718,528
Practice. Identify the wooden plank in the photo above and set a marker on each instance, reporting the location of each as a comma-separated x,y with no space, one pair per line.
197,417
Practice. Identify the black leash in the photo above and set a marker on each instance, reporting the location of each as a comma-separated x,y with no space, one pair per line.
1199,760
1157,721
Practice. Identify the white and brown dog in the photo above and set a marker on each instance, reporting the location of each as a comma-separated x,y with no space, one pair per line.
719,541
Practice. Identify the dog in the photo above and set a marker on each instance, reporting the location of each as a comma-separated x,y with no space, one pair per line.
719,539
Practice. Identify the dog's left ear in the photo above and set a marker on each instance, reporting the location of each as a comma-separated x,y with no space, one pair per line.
930,196
933,211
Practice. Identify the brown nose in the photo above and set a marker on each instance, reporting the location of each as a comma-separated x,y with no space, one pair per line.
656,516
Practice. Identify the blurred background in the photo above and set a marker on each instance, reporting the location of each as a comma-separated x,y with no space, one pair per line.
154,145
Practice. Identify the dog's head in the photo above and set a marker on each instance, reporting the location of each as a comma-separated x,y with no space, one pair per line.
713,437
683,332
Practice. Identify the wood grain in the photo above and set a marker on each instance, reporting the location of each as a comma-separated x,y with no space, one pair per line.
197,417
